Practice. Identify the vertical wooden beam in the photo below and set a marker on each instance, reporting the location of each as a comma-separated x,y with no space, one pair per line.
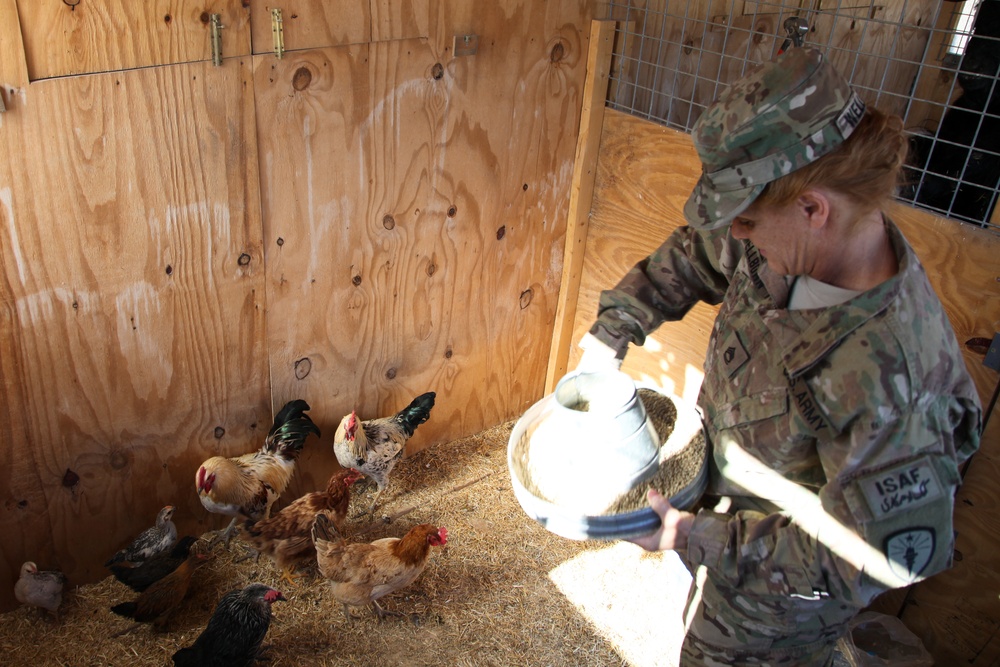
13,66
588,143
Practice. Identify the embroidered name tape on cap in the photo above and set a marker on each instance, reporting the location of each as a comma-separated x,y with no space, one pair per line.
900,489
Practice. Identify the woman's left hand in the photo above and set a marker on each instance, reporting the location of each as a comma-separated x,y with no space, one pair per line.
674,529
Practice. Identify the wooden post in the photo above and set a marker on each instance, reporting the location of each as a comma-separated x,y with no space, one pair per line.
581,196
13,65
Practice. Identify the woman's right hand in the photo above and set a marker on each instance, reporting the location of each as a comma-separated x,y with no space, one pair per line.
597,356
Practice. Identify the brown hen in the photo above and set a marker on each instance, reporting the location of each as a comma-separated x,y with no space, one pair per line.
286,537
360,574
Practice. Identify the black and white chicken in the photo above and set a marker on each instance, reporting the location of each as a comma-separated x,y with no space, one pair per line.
160,537
374,446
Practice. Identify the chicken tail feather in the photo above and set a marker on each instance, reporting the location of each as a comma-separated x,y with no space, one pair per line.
416,413
290,429
126,609
323,529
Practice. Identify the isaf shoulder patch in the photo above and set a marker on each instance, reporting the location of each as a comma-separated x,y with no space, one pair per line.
909,551
901,488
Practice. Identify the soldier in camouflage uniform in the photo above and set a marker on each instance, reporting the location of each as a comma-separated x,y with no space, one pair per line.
838,418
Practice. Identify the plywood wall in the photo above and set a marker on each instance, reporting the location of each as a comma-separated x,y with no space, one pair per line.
186,247
132,290
644,175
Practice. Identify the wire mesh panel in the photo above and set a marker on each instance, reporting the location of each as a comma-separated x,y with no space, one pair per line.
933,63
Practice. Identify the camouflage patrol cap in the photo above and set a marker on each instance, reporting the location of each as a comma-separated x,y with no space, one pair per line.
776,119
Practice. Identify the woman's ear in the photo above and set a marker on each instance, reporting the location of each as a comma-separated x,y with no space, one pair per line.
814,204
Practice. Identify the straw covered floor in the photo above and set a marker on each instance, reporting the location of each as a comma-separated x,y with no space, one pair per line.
503,591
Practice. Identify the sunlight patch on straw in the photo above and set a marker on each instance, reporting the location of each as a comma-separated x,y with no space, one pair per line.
634,599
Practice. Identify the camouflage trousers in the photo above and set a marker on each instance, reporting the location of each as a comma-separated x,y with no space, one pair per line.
727,628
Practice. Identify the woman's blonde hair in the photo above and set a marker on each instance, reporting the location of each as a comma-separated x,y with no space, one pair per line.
866,168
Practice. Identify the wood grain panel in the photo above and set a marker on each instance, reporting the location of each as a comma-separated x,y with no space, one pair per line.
645,173
13,67
131,306
315,24
64,38
420,202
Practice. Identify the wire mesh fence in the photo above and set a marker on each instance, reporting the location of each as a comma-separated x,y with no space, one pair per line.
933,62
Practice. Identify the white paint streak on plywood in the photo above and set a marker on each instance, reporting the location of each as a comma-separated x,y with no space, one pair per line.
143,338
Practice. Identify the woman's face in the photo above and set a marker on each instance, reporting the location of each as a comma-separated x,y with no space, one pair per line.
782,234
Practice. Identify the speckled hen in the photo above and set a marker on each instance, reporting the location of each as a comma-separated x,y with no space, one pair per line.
160,537
42,589
374,446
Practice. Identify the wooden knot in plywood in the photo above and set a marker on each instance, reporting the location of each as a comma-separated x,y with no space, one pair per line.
118,459
302,368
526,297
301,79
70,479
557,53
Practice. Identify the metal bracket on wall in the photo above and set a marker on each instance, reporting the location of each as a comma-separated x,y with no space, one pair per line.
278,33
466,45
216,23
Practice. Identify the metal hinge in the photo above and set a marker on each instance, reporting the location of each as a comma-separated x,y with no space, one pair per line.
278,33
465,45
216,23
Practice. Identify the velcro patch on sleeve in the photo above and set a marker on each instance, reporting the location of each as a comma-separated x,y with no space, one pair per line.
734,354
901,488
910,551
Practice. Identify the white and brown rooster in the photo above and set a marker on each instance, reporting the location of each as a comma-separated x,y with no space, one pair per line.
374,446
245,487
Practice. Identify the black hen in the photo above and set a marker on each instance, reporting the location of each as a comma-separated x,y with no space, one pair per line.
235,632
140,576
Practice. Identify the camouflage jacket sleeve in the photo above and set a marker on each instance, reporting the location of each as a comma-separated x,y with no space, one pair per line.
839,433
871,528
690,266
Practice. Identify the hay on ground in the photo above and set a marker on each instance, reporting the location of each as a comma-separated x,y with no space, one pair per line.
490,597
